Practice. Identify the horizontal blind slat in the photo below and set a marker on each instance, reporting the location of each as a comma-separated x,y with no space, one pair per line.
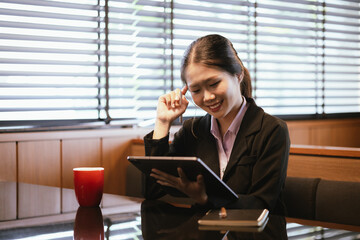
179,7
49,50
38,14
49,74
56,85
46,38
49,62
59,4
47,27
32,109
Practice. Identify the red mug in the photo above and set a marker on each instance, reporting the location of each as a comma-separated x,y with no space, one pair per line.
89,185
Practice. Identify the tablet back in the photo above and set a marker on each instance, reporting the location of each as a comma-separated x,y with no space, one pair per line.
218,192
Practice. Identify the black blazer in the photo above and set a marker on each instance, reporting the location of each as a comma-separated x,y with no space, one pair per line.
258,162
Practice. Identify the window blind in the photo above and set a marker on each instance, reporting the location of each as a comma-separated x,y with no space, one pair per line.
341,83
307,56
103,60
193,19
50,60
139,37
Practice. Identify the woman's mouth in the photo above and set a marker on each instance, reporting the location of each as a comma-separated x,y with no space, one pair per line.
215,107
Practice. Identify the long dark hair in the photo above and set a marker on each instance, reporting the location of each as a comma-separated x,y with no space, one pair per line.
217,51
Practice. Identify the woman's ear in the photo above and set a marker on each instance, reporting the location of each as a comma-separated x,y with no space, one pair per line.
240,76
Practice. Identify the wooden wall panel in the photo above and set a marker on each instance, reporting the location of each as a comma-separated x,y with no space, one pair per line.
39,168
8,192
69,202
8,197
38,200
138,149
321,135
8,161
299,135
77,153
330,132
347,135
336,135
115,152
330,168
39,162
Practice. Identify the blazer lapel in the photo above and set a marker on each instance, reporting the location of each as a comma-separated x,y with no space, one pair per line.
251,124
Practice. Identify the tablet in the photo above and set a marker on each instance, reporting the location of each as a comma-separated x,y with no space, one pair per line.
218,192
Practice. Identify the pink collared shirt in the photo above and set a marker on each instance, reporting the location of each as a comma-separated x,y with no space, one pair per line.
226,143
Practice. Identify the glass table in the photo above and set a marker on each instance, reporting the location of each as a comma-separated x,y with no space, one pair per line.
132,218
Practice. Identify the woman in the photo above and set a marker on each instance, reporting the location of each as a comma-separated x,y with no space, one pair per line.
245,146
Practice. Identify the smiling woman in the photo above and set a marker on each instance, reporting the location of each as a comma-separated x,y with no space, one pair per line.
242,144
216,92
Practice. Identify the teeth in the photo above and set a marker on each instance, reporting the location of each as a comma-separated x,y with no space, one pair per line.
214,106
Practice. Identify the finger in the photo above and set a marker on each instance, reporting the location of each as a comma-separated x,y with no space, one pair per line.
178,97
184,89
200,179
164,175
157,176
173,96
182,174
167,98
159,172
183,100
164,183
162,179
177,94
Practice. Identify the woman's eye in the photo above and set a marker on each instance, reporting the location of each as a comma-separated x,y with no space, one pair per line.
214,84
195,91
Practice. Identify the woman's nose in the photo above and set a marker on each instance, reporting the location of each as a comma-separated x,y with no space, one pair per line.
208,96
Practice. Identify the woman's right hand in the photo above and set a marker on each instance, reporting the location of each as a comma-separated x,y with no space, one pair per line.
170,106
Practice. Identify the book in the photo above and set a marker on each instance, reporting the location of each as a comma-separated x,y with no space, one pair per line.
234,228
256,218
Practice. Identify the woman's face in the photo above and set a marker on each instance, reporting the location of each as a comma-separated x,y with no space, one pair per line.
215,91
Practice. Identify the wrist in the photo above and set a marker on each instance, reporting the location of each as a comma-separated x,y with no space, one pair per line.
161,129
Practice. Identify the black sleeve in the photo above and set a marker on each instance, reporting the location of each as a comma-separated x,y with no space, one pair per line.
153,147
161,147
156,147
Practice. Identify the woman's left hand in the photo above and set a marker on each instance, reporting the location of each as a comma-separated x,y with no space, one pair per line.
194,189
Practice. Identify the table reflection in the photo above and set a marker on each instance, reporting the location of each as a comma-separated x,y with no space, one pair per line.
122,217
89,224
161,220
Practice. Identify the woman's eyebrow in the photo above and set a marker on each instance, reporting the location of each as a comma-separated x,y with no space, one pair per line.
205,81
193,85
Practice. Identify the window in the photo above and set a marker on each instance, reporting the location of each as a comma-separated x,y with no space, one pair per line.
50,60
97,60
307,57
